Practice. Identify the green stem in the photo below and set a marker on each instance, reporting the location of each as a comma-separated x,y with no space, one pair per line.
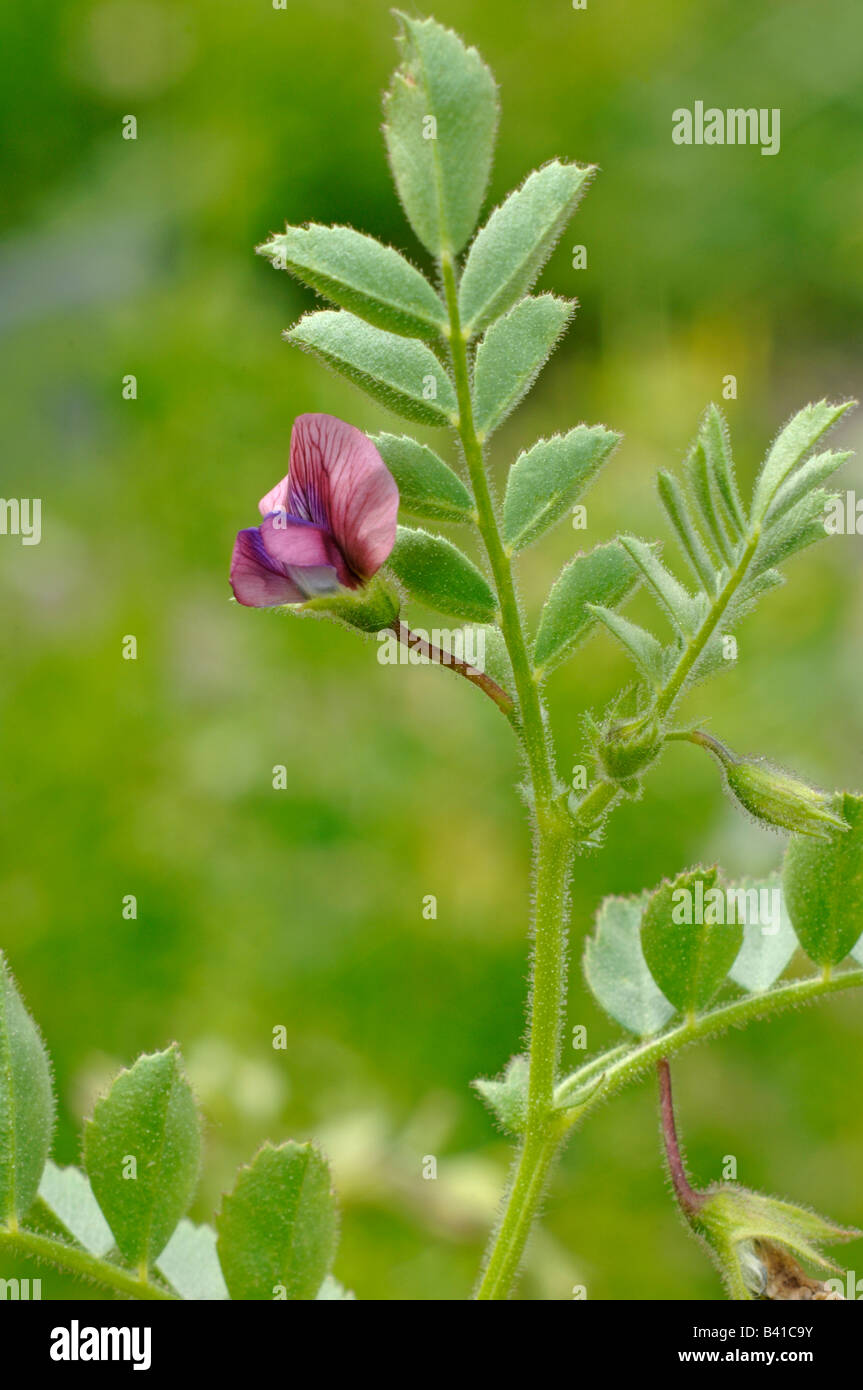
552,856
677,680
80,1262
620,1071
535,741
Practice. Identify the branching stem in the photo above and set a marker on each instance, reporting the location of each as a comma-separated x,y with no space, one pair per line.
80,1262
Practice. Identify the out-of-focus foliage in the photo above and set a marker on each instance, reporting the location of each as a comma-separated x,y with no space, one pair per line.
153,778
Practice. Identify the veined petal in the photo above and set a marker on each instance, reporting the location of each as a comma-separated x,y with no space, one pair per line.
339,481
285,564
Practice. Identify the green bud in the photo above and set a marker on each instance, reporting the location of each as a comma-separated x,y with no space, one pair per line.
625,750
373,608
757,1241
778,799
772,796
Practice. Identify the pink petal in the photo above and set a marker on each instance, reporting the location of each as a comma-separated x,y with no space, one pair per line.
288,565
276,499
295,546
339,481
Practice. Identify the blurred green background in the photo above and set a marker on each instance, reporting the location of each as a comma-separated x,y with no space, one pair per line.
154,777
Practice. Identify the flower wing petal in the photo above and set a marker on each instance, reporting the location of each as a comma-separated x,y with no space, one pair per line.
284,561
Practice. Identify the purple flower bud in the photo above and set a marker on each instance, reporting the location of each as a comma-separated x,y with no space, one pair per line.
328,526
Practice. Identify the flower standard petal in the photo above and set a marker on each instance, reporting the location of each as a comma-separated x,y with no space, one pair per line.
339,481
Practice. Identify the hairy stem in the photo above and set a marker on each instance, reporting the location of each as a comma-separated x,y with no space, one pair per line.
674,686
435,656
689,1199
80,1262
620,1070
552,841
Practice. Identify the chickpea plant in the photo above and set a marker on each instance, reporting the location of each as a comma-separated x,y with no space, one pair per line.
672,966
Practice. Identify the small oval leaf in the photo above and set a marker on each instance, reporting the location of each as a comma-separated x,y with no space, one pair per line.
688,944
404,375
436,573
768,936
26,1103
362,275
68,1195
617,972
822,881
142,1152
512,353
440,116
509,252
277,1230
427,487
548,478
605,575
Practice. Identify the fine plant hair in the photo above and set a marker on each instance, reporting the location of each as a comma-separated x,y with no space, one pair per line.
673,966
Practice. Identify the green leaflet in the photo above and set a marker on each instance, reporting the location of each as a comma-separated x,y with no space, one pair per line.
68,1195
646,652
814,471
674,502
823,886
512,353
26,1103
719,463
362,275
404,375
802,525
704,489
768,936
506,1097
436,573
277,1230
427,487
790,448
142,1151
545,481
440,117
190,1263
683,611
604,576
688,945
509,252
617,973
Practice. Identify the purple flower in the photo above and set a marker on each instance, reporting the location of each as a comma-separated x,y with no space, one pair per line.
329,525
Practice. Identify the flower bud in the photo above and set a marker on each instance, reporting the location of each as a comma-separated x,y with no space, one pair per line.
756,1240
774,797
624,750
